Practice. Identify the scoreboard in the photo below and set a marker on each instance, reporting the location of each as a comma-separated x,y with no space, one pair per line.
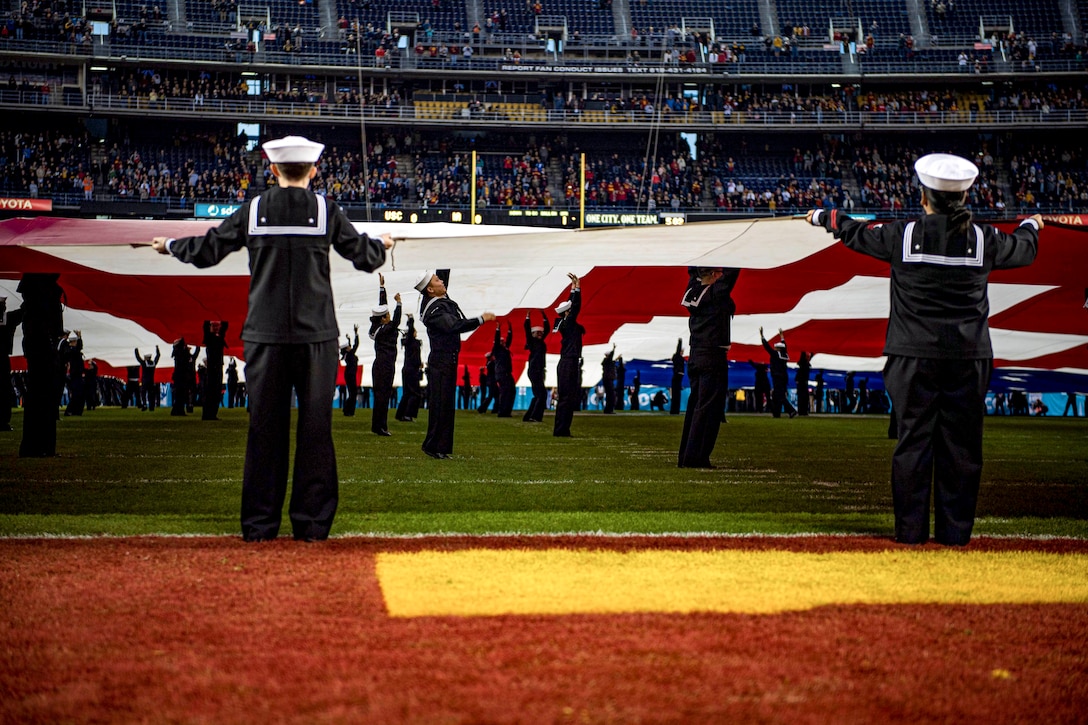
555,218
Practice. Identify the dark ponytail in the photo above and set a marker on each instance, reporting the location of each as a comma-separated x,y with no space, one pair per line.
950,203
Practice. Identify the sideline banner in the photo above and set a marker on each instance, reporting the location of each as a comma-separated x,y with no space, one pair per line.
7,204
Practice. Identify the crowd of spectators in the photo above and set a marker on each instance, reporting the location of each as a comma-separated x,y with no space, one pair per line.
53,20
517,180
885,175
345,175
44,163
728,172
1050,176
202,88
736,104
209,166
724,177
442,179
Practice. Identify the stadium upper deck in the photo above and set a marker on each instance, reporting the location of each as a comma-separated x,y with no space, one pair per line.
590,67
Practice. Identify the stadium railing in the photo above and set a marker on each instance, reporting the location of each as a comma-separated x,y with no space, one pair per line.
524,114
488,59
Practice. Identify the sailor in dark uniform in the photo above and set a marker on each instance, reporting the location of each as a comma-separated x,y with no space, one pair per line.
570,331
232,382
290,336
504,370
800,379
411,373
43,325
9,322
90,384
677,377
350,358
215,342
620,385
465,398
761,390
535,336
149,395
710,308
384,331
487,384
482,388
608,381
73,357
780,375
938,342
444,322
184,376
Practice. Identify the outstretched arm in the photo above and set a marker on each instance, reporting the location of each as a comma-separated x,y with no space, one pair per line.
210,249
395,321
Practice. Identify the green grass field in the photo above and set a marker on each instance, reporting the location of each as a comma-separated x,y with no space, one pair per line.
127,472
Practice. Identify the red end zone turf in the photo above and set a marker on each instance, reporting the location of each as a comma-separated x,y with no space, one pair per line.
210,629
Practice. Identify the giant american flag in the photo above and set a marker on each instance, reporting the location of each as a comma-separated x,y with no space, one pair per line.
825,298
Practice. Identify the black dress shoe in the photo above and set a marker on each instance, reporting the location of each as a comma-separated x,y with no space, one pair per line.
382,433
434,454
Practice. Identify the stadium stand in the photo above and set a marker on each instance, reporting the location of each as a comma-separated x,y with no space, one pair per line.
819,126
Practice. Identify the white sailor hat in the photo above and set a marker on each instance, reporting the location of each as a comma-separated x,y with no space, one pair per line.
536,328
293,150
780,345
379,311
945,172
563,307
425,280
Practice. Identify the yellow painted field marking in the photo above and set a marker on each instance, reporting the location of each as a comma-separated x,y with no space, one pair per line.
483,582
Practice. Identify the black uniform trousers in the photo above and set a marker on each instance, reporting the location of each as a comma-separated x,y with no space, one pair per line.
504,406
213,391
351,386
272,371
41,399
568,395
441,402
179,393
382,374
779,401
132,394
708,375
149,392
802,398
539,402
76,393
410,396
941,405
609,395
